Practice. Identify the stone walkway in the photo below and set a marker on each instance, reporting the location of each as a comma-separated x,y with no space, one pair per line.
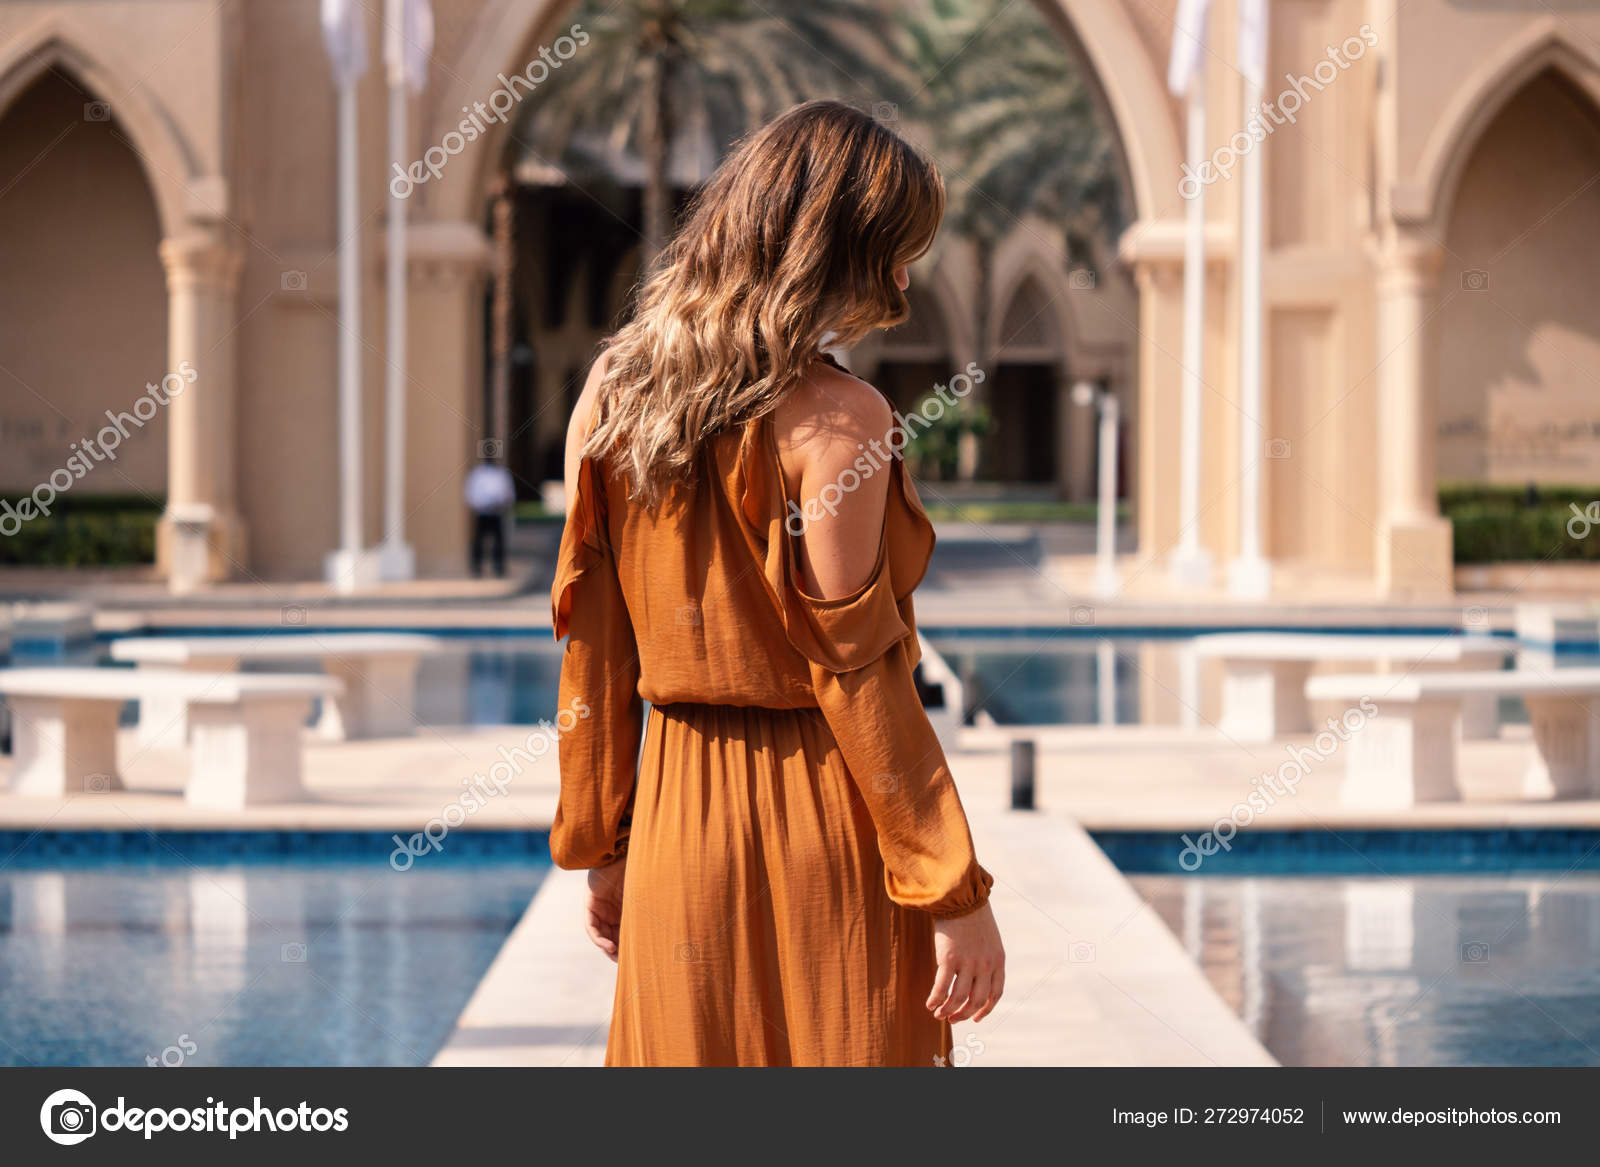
1093,976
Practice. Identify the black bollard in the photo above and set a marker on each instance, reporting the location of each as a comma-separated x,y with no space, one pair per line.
1022,756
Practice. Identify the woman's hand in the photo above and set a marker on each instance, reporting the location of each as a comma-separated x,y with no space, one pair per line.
972,966
605,906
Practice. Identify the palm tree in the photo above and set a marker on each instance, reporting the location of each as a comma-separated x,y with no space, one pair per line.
1015,124
662,77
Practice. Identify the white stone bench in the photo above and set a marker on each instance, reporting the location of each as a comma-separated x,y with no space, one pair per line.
1407,753
245,729
378,671
1264,674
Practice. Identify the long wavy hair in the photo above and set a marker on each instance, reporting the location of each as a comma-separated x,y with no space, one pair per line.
792,243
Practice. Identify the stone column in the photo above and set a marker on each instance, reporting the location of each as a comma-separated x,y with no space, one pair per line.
201,536
1414,541
1075,442
449,264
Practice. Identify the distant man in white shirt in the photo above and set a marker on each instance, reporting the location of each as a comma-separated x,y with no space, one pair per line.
490,493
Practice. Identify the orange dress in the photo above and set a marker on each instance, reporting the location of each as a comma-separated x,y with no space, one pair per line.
791,826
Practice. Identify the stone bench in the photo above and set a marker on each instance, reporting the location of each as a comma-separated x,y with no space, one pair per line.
1264,674
378,671
245,730
1407,753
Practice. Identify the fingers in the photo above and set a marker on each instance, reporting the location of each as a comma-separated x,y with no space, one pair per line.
997,986
942,984
603,931
976,994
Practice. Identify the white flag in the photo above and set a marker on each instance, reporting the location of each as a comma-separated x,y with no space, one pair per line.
1253,40
408,41
1188,42
344,35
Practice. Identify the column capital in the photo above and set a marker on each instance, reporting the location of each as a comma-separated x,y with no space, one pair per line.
201,262
1408,263
446,255
1154,248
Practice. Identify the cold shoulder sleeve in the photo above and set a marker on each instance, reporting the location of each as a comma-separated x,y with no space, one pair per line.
601,714
861,649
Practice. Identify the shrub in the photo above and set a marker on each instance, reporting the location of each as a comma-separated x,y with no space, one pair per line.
107,530
1496,524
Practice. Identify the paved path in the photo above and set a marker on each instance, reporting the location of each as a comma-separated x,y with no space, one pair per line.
1093,975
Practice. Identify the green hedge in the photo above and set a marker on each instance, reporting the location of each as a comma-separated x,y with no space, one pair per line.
91,530
1497,524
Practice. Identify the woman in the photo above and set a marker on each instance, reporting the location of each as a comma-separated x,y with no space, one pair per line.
790,879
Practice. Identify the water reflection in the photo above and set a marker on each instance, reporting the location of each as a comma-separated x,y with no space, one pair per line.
262,965
1419,971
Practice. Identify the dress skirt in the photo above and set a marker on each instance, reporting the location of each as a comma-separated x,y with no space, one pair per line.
756,928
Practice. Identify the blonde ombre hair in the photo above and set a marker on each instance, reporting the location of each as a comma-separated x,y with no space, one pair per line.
795,239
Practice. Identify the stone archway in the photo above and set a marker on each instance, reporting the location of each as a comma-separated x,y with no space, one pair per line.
183,238
1129,79
83,294
1515,395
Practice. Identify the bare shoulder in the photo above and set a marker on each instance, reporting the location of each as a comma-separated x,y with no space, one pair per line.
828,419
830,434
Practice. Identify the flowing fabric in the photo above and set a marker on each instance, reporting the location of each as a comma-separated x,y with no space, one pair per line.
791,825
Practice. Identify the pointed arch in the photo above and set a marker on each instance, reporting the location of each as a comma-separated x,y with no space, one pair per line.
1123,72
167,161
1478,101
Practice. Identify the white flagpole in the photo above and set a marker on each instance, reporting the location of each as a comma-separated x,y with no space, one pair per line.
1190,565
1250,575
349,568
406,38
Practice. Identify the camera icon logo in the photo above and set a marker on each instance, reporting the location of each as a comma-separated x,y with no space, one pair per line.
293,953
1081,280
491,448
293,281
96,111
1474,280
67,1117
1278,448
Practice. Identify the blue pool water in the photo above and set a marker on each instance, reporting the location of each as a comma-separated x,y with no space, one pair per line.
234,953
1063,675
476,680
1404,948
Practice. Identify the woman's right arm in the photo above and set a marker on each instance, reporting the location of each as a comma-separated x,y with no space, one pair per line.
883,732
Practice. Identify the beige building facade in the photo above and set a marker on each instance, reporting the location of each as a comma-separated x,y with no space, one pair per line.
1429,277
